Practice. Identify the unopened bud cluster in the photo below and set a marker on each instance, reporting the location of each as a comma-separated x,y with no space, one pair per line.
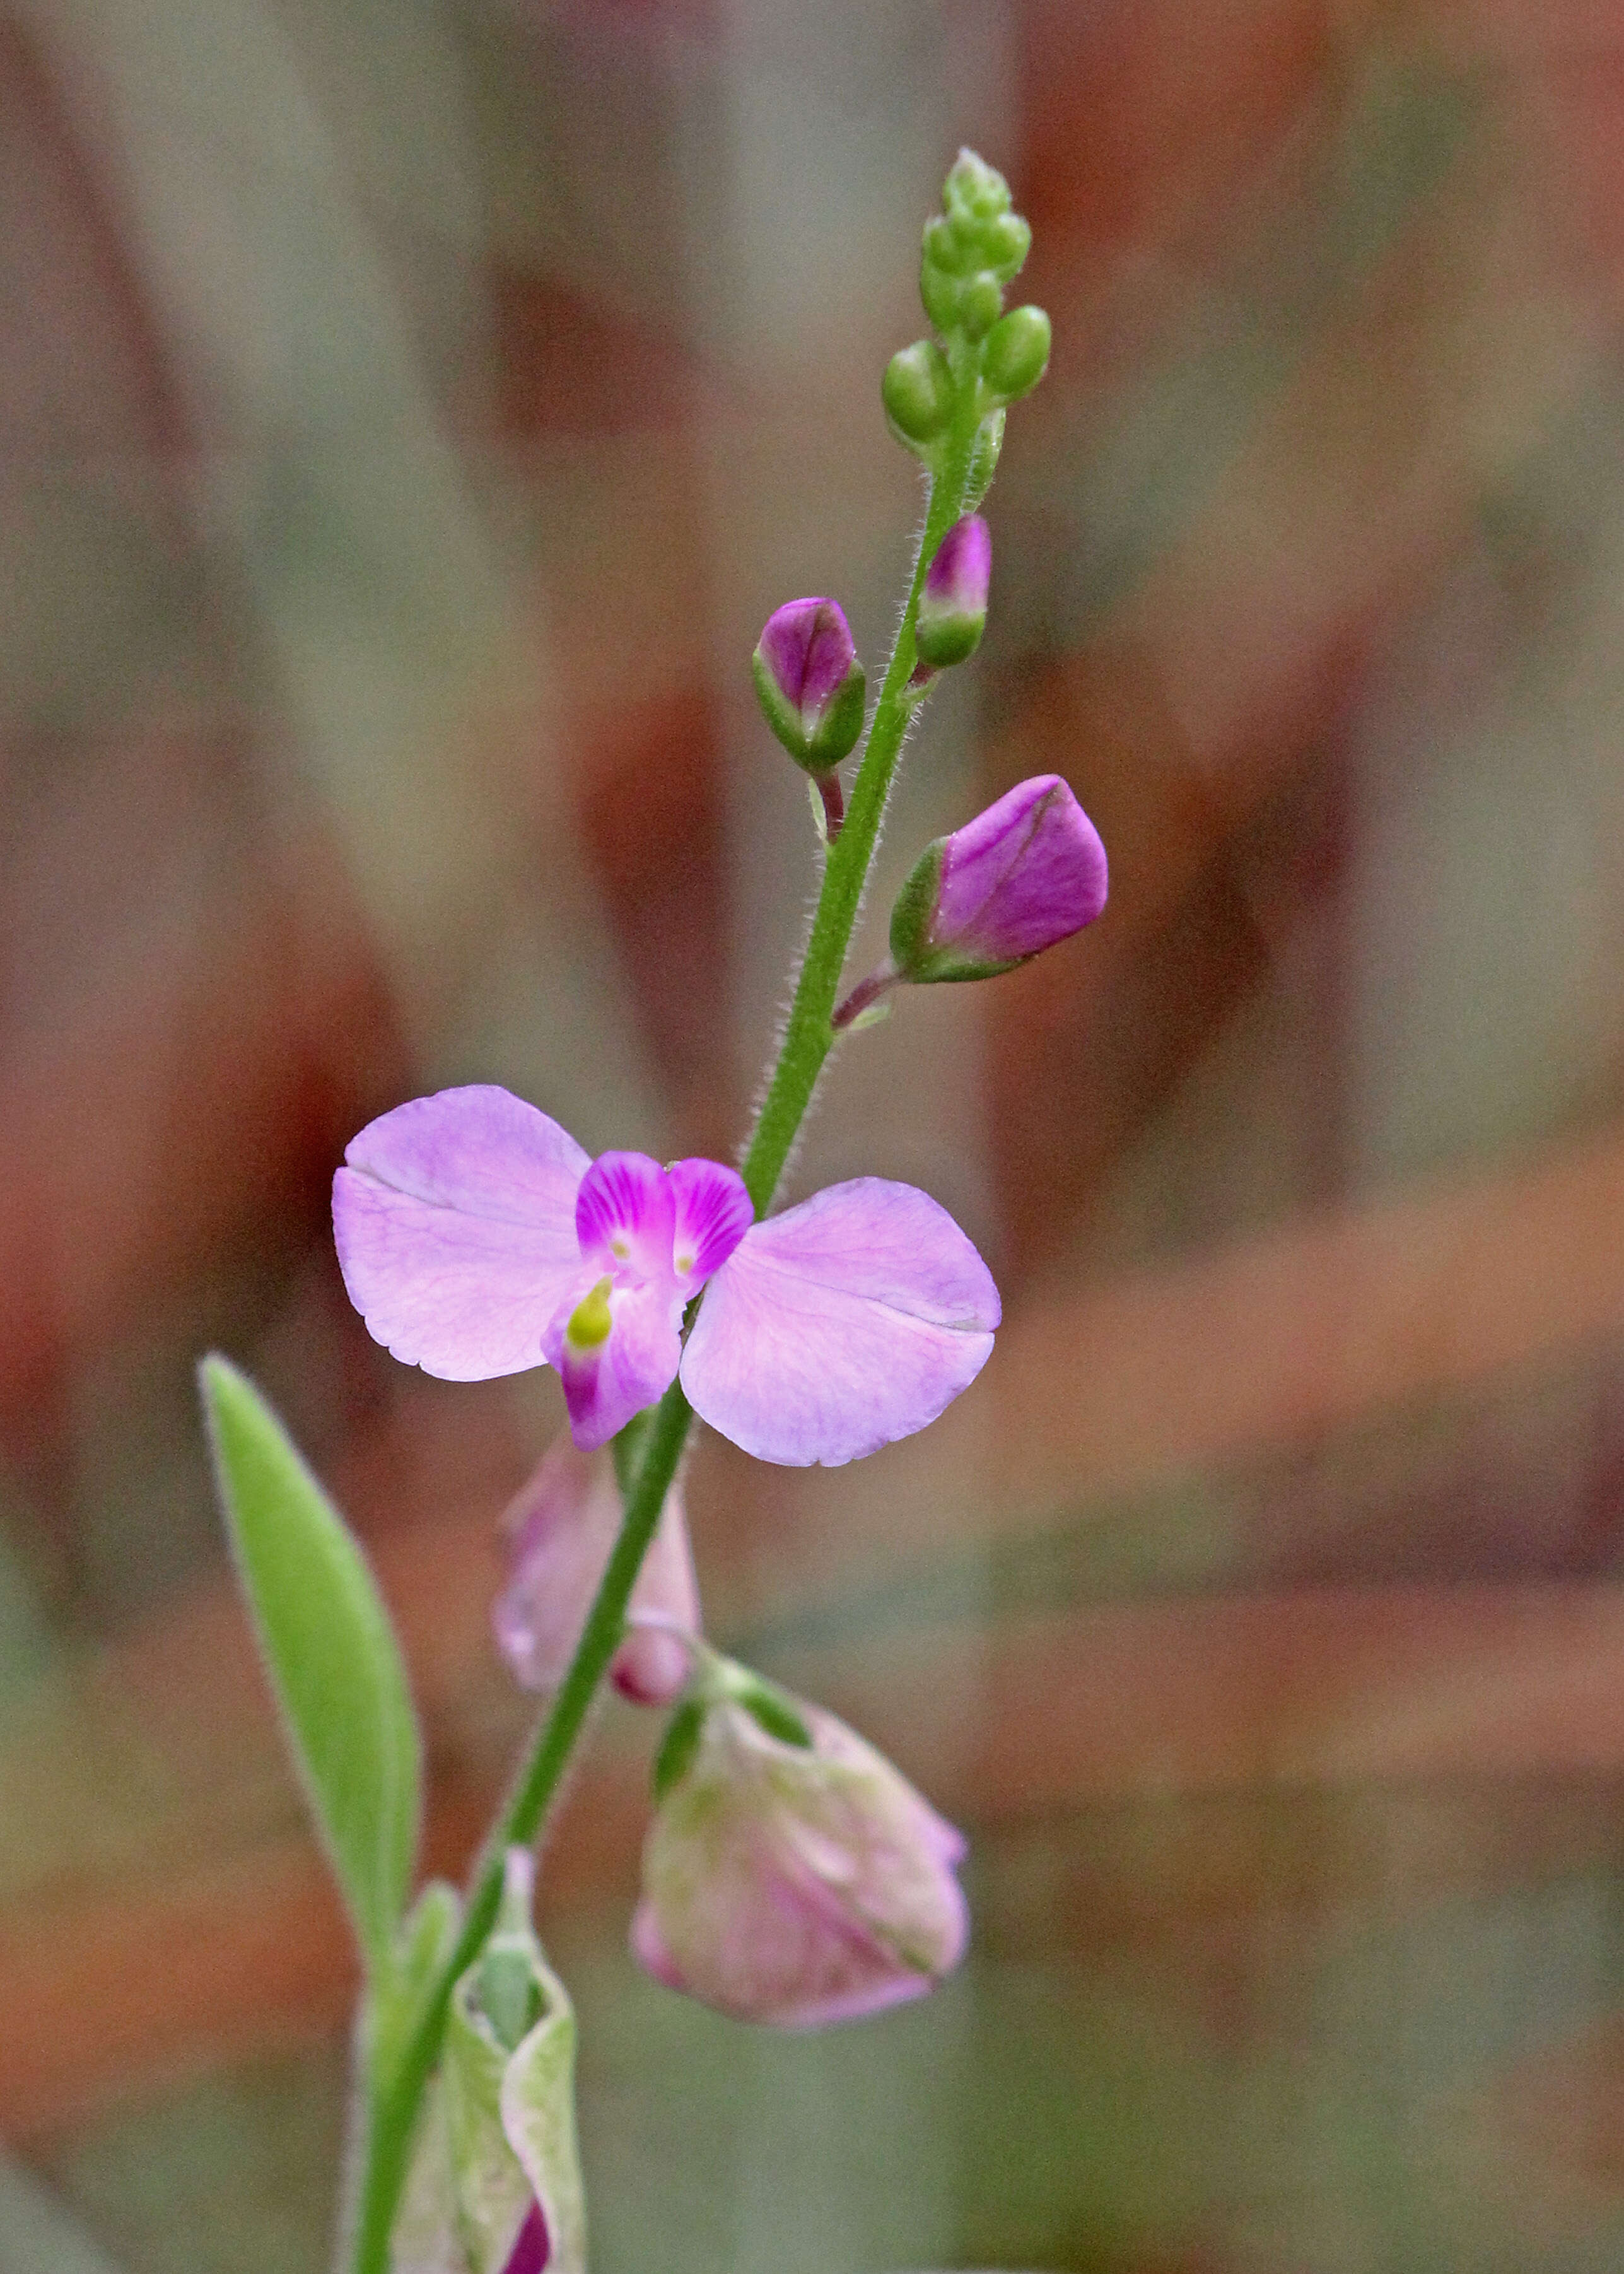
974,248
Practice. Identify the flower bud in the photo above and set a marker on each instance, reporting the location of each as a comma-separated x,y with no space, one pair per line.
981,300
562,1526
1006,244
1028,872
973,189
953,608
791,1875
809,682
495,2182
917,391
939,292
1016,353
946,247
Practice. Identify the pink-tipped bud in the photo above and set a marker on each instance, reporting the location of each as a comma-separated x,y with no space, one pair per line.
791,1875
562,1525
1029,871
809,682
953,608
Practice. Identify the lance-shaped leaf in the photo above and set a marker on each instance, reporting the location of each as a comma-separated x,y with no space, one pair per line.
333,1661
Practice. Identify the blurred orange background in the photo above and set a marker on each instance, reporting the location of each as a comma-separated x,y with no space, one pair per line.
407,418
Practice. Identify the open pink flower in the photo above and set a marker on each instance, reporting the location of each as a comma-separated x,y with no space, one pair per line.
475,1239
792,1883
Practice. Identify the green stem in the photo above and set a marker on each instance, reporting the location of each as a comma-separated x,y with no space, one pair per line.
392,2106
394,2100
808,1036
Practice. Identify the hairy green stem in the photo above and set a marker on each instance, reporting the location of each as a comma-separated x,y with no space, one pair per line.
808,1036
394,2100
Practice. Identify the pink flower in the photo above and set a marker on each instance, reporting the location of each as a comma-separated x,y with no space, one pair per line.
809,682
562,1525
475,1239
1027,872
795,1884
952,607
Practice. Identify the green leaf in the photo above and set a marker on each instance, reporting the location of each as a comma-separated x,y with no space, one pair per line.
333,1661
401,1994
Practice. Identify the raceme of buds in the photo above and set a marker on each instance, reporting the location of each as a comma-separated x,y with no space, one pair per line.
953,608
791,1875
809,682
971,250
1028,872
561,1527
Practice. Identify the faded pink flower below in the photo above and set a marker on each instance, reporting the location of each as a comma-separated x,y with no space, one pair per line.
796,1884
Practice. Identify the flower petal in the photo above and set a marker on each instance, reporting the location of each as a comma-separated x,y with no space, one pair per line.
626,1215
561,1526
652,1667
455,1227
607,1381
840,1325
532,2245
713,1215
797,1886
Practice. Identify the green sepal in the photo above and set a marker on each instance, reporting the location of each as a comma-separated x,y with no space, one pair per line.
773,1709
678,1746
770,1710
837,729
946,639
915,905
335,1665
920,962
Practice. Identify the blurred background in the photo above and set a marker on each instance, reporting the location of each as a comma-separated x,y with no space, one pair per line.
409,415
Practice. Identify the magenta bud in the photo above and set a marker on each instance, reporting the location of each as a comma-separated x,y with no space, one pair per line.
791,1882
953,608
809,682
562,1525
1029,871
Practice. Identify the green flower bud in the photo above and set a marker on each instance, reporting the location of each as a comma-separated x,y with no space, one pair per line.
947,247
939,291
918,392
952,607
1006,244
975,189
981,303
1016,354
